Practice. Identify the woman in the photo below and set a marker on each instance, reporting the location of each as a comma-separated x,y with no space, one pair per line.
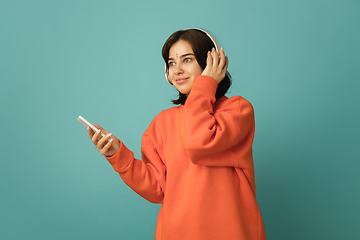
196,157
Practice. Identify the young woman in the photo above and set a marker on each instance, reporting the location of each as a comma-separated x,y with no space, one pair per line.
196,157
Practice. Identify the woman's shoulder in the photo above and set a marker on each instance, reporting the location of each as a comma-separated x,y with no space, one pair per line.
167,113
164,116
161,124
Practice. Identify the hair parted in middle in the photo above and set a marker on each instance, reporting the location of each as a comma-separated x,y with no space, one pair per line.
200,43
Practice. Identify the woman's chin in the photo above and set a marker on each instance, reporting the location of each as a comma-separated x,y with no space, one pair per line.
184,92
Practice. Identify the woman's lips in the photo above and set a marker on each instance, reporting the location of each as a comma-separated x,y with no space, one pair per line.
181,80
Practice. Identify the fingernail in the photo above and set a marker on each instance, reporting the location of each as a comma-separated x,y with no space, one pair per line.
98,131
108,135
111,140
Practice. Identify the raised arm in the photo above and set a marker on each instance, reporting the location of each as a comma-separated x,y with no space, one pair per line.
210,133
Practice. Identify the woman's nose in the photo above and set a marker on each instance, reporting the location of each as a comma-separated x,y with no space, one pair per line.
178,69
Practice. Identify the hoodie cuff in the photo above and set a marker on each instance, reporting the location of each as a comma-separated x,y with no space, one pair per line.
205,84
121,160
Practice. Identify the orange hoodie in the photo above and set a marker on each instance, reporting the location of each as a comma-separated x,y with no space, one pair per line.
197,162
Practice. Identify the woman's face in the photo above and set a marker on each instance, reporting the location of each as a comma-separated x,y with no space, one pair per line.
183,66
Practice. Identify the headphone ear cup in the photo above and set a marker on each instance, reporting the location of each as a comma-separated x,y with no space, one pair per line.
167,75
168,79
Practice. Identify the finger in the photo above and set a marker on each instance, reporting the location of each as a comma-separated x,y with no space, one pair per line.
226,64
215,56
222,58
90,132
95,138
101,129
106,148
224,69
209,59
103,141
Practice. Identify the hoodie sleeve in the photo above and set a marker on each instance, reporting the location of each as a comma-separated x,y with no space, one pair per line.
146,177
221,136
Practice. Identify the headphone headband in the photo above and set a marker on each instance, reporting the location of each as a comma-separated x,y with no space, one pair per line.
216,44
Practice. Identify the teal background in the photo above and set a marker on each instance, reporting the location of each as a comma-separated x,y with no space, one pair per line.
298,62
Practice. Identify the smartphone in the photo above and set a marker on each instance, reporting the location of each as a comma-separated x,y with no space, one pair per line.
87,124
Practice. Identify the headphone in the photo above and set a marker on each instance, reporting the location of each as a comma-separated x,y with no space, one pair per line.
216,44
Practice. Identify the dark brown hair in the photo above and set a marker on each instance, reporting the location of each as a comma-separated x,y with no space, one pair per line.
200,44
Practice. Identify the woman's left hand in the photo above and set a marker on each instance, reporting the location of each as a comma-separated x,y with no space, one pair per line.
216,65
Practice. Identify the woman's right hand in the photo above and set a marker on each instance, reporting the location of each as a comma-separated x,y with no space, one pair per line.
107,145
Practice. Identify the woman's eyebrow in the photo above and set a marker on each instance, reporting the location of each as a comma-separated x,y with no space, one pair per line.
184,55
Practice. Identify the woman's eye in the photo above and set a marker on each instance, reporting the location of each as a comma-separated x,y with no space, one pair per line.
187,60
171,64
